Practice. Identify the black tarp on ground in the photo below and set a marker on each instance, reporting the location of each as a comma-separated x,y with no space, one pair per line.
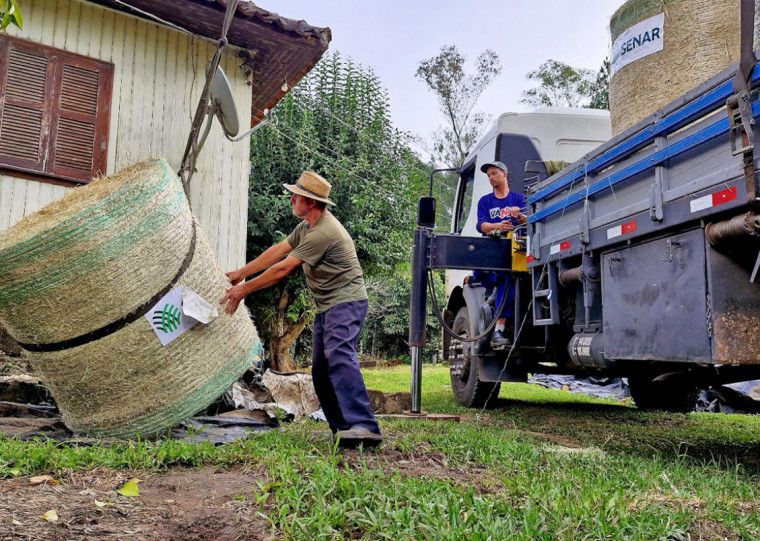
743,397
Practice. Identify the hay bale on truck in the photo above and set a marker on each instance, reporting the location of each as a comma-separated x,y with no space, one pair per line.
78,279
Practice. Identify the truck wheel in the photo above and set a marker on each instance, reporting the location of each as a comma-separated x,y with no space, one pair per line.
465,365
662,395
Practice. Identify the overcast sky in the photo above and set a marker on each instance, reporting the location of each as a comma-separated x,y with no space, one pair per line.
392,36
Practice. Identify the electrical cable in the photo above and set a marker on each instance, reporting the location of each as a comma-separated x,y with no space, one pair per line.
334,163
386,150
408,214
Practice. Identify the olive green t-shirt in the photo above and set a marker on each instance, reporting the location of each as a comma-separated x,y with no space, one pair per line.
332,269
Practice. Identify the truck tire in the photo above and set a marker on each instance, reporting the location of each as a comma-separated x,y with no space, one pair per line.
469,391
675,397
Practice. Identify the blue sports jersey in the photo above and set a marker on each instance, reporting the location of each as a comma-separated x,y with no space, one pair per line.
493,210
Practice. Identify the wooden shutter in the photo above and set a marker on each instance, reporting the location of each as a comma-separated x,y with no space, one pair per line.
23,104
54,111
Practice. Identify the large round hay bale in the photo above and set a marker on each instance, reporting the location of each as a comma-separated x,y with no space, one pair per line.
78,278
700,38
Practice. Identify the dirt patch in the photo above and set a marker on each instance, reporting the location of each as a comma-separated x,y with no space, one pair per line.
707,529
425,463
198,504
187,504
554,438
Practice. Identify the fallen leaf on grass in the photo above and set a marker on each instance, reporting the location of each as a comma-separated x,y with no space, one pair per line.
102,504
15,473
51,516
42,479
130,488
16,523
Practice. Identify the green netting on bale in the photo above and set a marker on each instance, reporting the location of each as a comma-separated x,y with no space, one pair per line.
91,259
632,12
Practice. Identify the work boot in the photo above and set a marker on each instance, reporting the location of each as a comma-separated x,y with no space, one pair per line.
356,436
499,341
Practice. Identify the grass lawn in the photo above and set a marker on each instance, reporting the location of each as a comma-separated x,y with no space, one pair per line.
543,464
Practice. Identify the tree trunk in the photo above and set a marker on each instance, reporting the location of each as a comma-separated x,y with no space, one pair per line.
284,335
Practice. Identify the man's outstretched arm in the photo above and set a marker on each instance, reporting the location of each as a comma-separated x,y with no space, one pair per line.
269,277
269,257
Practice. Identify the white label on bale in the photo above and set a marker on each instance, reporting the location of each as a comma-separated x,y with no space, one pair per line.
196,307
638,41
166,317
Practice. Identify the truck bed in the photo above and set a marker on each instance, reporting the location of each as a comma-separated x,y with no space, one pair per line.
673,168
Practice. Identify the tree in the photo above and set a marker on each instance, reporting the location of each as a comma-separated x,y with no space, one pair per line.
386,329
457,93
10,13
600,88
561,85
335,122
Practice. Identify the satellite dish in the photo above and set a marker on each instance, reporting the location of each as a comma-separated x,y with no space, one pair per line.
224,104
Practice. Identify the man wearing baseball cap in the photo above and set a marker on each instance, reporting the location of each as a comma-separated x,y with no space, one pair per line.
323,247
499,212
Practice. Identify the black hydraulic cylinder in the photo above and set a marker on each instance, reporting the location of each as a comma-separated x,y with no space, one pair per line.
418,305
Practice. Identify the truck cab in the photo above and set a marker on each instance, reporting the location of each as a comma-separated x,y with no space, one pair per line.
546,139
559,135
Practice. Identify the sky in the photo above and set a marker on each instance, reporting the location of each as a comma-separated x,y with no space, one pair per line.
393,36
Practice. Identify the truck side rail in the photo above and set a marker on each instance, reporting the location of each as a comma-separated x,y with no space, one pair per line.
696,103
677,167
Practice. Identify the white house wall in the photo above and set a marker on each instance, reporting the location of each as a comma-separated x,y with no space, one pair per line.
159,74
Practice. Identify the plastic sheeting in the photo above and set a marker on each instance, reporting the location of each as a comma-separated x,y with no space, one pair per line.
742,397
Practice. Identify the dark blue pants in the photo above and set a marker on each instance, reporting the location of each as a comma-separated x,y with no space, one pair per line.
335,367
504,285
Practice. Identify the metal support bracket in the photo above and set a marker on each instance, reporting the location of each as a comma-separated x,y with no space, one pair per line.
655,192
585,225
741,122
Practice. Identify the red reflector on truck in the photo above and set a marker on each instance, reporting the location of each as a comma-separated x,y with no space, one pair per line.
713,199
561,247
622,229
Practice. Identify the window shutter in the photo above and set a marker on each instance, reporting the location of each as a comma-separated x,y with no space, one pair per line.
54,111
79,144
21,125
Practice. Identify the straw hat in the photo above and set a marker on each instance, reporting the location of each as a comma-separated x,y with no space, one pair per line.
311,185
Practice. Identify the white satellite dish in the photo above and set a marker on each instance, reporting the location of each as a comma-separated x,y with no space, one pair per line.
223,104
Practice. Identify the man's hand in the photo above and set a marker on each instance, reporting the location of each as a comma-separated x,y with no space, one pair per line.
234,295
236,276
504,226
514,212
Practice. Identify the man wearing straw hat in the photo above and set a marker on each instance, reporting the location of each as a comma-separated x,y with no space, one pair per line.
322,246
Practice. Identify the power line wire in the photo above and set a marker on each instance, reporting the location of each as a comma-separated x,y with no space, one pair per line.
351,173
386,151
334,162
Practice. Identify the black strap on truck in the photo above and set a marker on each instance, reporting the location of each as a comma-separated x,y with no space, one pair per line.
747,58
740,104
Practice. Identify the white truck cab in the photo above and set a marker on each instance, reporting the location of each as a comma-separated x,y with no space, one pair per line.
547,134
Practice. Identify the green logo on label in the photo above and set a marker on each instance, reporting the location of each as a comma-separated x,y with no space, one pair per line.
168,319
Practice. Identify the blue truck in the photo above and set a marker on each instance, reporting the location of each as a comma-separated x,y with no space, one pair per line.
639,260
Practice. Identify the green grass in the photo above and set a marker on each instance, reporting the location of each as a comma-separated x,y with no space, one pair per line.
543,465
